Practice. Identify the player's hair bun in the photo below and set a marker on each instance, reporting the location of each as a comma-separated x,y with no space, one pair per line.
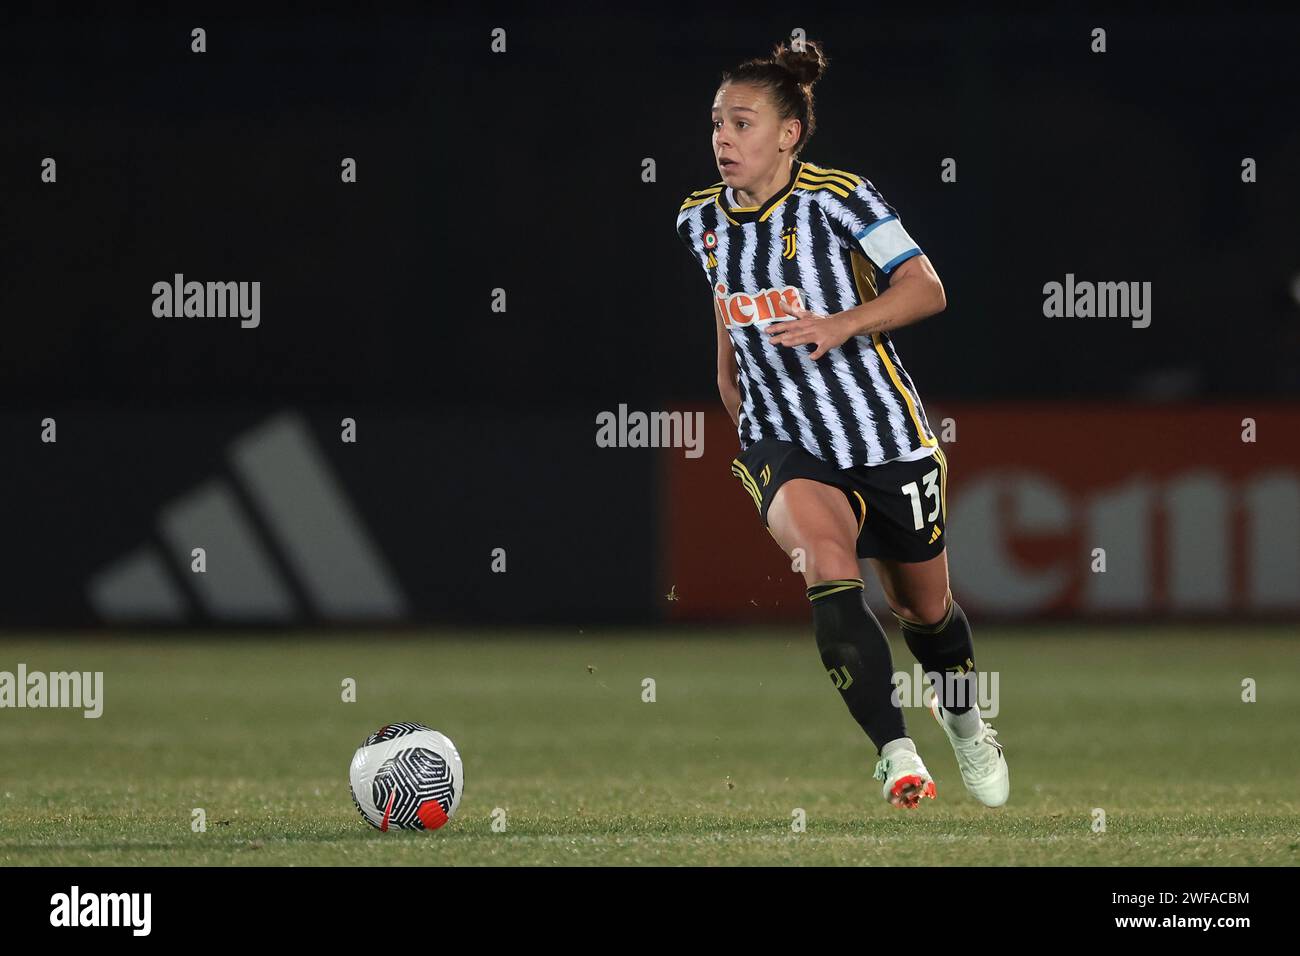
788,75
807,64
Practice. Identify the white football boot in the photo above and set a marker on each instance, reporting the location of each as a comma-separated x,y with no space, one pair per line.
906,779
980,760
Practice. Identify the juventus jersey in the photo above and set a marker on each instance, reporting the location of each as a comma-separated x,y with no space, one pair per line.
817,243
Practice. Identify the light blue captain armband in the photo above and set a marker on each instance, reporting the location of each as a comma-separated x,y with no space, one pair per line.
886,243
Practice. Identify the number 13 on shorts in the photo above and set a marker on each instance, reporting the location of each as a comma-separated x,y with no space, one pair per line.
932,491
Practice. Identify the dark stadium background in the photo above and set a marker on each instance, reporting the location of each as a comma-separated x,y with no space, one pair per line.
522,171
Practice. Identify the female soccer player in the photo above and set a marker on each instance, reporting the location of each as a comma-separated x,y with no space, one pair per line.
836,450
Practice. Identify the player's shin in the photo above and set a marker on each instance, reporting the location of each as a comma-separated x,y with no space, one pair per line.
856,655
946,652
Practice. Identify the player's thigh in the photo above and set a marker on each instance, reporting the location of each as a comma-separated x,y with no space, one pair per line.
816,518
916,590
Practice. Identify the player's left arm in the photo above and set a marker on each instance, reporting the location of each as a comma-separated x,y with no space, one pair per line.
864,222
915,293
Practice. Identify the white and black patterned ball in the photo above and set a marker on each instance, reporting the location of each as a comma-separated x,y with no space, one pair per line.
406,776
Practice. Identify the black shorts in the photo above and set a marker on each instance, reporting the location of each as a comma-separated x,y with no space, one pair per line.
901,506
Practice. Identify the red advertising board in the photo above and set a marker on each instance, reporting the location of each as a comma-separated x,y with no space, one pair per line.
1054,510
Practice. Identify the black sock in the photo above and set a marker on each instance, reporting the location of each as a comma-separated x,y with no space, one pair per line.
855,651
947,654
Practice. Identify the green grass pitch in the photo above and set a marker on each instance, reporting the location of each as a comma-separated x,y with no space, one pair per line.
1146,724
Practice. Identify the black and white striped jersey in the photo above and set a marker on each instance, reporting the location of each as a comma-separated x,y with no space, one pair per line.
816,243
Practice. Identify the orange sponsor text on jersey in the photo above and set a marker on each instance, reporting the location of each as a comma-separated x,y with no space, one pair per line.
744,308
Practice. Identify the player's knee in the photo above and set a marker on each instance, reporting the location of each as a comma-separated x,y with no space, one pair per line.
924,610
829,559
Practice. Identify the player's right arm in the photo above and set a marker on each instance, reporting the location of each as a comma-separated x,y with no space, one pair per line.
728,374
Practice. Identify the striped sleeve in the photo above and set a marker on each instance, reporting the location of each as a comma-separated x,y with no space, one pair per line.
863,219
684,227
688,231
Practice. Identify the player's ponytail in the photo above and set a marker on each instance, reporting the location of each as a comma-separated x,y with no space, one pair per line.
789,76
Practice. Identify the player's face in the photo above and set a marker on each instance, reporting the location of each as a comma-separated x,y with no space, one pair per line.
747,134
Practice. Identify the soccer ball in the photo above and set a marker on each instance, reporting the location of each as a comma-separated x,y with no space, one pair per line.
406,776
